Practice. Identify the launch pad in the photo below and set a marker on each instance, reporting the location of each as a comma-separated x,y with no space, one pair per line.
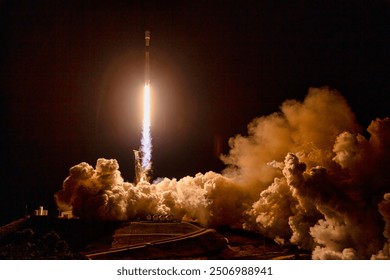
140,174
135,240
150,240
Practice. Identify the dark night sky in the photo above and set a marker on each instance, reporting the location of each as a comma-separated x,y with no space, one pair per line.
72,74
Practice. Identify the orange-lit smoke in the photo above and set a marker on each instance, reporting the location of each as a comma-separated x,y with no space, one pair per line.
304,175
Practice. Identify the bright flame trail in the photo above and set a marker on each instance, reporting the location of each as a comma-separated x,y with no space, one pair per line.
143,158
146,142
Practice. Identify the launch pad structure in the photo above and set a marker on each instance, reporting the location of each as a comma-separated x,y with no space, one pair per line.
140,174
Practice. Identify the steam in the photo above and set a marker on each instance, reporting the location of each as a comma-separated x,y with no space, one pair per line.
305,175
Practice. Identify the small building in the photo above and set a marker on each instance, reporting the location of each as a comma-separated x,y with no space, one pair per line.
40,212
66,214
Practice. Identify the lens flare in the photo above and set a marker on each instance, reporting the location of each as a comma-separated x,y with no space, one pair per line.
146,142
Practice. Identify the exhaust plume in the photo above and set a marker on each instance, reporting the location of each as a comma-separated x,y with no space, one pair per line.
305,175
146,141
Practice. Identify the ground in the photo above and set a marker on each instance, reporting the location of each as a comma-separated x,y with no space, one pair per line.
53,238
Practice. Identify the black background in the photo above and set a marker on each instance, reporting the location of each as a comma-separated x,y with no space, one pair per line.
72,75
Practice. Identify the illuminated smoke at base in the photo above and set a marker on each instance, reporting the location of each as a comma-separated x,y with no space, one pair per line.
305,175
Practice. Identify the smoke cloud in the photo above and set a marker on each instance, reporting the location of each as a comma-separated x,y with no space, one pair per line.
305,175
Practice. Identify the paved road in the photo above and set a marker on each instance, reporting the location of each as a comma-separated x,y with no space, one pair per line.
158,245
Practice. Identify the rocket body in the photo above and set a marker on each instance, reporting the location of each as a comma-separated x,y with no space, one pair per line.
147,66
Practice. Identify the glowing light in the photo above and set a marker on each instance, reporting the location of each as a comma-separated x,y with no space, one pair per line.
146,142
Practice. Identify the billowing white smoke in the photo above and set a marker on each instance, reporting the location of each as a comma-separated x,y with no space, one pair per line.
304,175
101,193
384,209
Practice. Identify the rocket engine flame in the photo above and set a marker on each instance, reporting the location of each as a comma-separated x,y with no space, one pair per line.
146,142
143,168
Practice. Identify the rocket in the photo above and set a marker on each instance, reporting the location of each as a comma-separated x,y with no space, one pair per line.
147,67
142,170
